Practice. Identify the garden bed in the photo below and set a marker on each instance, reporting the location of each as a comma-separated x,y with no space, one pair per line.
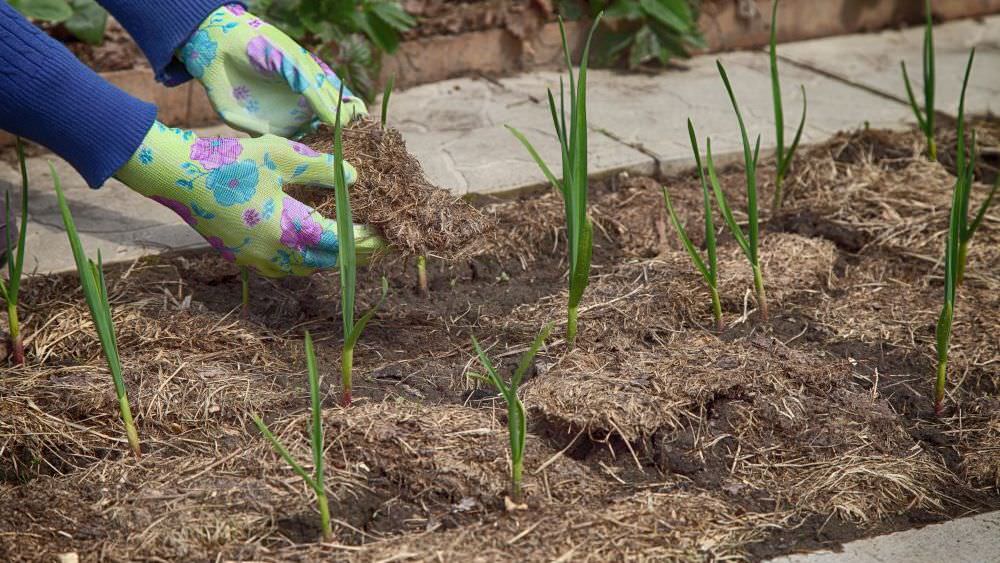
655,438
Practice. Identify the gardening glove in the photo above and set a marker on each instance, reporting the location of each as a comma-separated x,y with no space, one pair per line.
259,80
230,191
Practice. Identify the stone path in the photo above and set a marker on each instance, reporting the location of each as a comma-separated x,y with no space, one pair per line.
638,124
975,539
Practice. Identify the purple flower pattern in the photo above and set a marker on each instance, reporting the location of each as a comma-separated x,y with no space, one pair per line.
216,152
299,230
304,150
251,217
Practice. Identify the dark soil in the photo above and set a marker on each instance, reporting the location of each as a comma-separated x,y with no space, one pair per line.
655,438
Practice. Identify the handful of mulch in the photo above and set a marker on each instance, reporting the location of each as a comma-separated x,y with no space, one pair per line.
393,197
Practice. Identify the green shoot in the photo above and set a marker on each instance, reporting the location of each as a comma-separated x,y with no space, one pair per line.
386,94
517,425
965,169
960,232
749,242
422,275
925,117
348,262
15,263
95,291
573,142
709,271
783,157
316,481
245,281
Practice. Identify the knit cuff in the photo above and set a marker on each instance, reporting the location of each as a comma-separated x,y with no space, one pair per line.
160,28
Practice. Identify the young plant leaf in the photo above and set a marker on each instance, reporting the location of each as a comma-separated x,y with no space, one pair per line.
95,293
386,94
516,416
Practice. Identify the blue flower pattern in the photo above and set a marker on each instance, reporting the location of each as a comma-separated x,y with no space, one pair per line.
198,53
234,183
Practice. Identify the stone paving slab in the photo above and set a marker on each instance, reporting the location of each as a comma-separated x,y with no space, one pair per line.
456,129
873,62
975,539
651,111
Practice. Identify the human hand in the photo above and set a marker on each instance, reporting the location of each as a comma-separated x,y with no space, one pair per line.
259,80
230,191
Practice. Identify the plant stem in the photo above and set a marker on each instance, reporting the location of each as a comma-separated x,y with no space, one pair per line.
942,372
571,328
516,469
245,278
324,513
422,274
346,366
717,308
16,343
963,251
758,282
130,431
931,147
776,204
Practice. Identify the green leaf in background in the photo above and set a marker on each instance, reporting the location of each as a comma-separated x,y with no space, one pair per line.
671,13
88,21
350,35
55,11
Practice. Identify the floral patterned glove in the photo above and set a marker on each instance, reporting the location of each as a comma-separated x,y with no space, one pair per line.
230,191
260,80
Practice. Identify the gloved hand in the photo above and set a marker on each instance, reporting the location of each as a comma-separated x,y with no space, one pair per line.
230,191
260,80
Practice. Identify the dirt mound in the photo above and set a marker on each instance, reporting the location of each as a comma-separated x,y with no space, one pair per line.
393,196
714,412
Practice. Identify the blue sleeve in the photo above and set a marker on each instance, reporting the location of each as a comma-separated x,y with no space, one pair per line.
49,97
161,27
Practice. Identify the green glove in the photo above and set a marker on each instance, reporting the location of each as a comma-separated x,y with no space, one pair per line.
259,80
230,191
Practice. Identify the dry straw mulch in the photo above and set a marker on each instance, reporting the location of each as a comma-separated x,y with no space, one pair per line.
393,195
656,439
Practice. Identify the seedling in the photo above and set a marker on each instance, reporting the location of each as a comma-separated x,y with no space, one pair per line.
316,481
749,242
517,425
422,275
925,116
782,156
966,178
386,94
960,233
15,263
573,142
709,271
348,262
95,291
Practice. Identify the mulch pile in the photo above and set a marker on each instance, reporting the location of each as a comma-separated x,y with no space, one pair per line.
393,195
